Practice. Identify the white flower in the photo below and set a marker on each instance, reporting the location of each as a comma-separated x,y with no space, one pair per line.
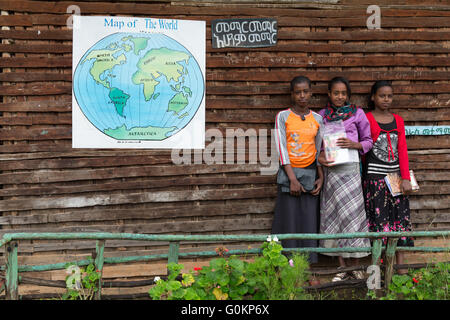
269,238
157,279
275,239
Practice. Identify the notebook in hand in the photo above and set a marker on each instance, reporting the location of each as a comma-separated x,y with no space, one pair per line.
414,184
393,181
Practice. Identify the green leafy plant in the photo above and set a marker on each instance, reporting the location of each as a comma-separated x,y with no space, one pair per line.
270,276
276,277
429,283
81,283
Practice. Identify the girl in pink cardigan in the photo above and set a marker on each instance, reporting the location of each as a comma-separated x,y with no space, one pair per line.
389,154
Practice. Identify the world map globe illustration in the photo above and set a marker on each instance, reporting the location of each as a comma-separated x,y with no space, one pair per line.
137,86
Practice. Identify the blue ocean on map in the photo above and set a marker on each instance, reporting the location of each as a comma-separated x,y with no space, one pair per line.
115,101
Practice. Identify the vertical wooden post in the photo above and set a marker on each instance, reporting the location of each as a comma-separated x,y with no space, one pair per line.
376,256
12,272
390,260
173,251
376,251
99,259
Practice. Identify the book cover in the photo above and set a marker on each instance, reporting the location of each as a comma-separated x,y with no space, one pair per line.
393,181
332,151
332,132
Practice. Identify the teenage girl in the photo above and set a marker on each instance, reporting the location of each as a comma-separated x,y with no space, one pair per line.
342,201
389,155
300,177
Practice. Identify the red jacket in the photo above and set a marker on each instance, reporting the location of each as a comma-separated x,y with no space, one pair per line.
402,147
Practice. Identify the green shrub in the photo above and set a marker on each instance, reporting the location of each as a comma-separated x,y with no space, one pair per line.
270,276
429,283
81,283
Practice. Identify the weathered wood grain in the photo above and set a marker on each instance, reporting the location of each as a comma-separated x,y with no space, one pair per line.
36,34
229,8
258,76
47,149
369,35
318,101
48,186
277,76
164,211
441,203
431,142
36,48
47,176
34,77
417,159
424,217
81,159
292,61
248,225
62,104
116,198
341,48
46,89
129,172
241,89
248,9
237,102
290,47
154,183
359,21
251,62
260,116
33,149
54,133
36,62
16,20
70,161
62,118
225,89
178,182
286,30
60,133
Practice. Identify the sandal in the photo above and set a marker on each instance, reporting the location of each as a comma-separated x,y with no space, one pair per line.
340,276
358,274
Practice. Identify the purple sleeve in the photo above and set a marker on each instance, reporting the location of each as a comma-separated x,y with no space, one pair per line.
321,112
365,138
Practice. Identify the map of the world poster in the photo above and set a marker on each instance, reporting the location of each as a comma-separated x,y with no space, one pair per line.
138,83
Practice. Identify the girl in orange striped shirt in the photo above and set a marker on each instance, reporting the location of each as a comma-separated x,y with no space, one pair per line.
300,177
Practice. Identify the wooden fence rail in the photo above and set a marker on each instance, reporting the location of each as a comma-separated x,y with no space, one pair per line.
12,268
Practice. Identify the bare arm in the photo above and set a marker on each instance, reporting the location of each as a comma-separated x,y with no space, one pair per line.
319,182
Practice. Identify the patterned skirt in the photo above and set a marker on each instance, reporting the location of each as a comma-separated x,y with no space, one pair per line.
385,212
342,209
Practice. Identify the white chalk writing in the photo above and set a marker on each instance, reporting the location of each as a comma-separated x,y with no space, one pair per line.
244,33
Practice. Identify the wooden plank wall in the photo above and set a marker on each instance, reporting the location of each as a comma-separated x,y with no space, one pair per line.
47,186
